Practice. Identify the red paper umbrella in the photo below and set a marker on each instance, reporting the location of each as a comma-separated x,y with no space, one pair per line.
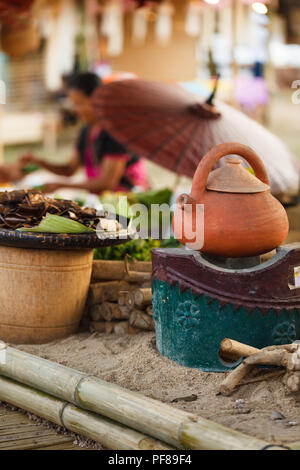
159,121
171,127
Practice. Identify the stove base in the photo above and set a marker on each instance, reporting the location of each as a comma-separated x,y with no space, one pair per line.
192,315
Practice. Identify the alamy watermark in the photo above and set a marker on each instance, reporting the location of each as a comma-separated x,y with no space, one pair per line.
296,94
138,220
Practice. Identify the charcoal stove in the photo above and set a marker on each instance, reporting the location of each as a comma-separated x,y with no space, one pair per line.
199,300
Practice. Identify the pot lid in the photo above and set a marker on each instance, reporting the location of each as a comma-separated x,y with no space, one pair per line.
234,178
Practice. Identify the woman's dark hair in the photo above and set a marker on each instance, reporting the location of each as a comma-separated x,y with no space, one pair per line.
85,82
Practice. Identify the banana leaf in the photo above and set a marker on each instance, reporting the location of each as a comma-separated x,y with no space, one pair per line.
57,224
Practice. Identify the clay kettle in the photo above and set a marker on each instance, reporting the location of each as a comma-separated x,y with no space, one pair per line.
233,209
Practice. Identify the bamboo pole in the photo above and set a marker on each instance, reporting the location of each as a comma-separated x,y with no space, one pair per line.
108,433
161,421
294,445
107,270
202,435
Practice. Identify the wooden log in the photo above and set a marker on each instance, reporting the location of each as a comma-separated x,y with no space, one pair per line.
121,328
106,291
292,382
102,327
146,285
137,277
108,433
132,330
122,298
159,420
124,313
95,313
233,378
141,320
97,326
129,300
277,355
108,311
149,310
143,297
233,350
108,270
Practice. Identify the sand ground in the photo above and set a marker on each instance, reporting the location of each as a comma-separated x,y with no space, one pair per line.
134,363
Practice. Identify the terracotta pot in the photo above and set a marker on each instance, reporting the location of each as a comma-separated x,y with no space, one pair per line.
241,217
43,293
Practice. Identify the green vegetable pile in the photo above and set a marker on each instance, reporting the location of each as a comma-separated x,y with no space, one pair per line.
140,250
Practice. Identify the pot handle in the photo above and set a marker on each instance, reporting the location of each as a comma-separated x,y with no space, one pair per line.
210,159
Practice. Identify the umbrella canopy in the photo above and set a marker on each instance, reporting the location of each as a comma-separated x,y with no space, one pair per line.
173,128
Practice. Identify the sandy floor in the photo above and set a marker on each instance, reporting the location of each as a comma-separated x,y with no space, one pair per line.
134,363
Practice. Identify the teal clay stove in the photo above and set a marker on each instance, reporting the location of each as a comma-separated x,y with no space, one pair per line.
226,291
198,301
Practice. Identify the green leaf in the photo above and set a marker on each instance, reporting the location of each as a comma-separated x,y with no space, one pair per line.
58,224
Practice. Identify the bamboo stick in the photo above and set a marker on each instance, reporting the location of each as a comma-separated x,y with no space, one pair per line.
212,436
129,408
234,350
108,433
294,445
106,270
159,420
271,355
233,378
137,277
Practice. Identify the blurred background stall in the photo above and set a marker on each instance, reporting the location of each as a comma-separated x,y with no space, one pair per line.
254,46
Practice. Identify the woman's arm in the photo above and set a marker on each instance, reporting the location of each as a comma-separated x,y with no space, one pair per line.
67,169
112,170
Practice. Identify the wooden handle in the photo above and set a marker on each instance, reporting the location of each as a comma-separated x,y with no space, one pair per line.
211,158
